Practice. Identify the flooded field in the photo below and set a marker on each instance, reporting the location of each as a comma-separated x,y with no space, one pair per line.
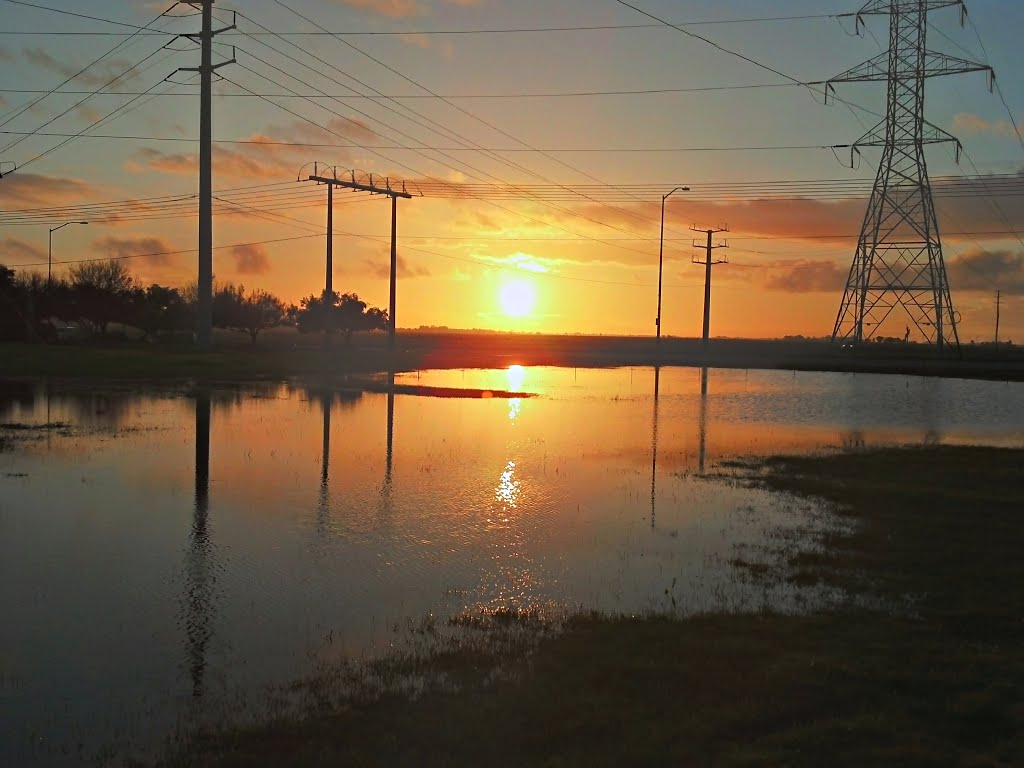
168,553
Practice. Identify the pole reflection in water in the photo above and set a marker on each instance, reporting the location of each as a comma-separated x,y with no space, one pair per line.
199,580
324,509
391,426
702,436
654,442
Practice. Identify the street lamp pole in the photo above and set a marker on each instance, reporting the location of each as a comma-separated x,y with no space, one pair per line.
49,251
661,256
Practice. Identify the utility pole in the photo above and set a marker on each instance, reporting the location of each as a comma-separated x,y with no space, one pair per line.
708,263
999,300
329,277
374,187
204,285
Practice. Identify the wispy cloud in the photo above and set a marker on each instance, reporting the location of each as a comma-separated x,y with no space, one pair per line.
806,276
24,190
395,9
251,259
984,270
14,250
973,125
129,247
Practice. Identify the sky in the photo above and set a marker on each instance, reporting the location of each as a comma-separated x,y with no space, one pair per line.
505,110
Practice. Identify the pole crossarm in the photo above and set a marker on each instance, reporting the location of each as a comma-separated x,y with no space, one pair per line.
362,182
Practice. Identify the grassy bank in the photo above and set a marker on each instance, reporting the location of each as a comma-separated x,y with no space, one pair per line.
922,666
283,353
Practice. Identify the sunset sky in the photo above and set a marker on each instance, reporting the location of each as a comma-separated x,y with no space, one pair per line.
503,109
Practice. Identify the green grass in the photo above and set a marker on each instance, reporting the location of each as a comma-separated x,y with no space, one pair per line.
923,666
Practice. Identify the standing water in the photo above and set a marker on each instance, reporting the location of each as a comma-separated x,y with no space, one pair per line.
162,551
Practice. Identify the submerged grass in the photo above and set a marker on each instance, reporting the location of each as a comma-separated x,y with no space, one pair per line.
921,666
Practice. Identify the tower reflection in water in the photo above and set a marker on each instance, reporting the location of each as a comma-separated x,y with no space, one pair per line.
198,568
702,434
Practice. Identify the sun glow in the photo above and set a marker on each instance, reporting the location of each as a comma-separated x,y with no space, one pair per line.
516,298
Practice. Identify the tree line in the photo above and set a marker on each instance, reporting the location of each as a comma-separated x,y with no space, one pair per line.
94,296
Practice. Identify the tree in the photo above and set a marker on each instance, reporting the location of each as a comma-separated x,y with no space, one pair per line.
251,313
158,310
12,319
346,313
101,292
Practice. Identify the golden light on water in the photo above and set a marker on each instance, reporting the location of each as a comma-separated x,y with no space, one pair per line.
508,488
516,375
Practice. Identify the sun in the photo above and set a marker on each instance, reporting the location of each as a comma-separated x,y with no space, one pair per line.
517,298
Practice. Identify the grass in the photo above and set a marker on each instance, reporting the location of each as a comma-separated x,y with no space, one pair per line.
137,361
283,353
923,665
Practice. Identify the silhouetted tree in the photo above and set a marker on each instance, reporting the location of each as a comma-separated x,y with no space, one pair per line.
346,313
101,292
12,318
251,313
158,310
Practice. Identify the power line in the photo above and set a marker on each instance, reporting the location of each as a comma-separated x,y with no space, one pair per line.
32,103
408,96
518,150
165,253
83,15
461,110
428,32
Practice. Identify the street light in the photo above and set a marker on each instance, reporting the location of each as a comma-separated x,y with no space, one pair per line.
661,255
49,252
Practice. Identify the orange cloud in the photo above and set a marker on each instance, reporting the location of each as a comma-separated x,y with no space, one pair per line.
128,247
27,190
20,251
807,276
251,259
249,164
382,268
984,270
972,125
395,9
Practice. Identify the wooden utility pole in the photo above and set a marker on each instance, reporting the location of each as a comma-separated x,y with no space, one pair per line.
204,283
708,263
374,188
999,301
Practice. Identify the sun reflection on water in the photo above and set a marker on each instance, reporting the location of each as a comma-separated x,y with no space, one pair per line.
508,488
516,375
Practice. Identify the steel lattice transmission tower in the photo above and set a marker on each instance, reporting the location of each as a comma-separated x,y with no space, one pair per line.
899,262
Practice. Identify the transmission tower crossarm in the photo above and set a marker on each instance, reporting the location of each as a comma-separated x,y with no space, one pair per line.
874,69
885,7
938,64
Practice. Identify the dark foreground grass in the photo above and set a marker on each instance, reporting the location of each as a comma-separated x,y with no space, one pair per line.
923,666
283,353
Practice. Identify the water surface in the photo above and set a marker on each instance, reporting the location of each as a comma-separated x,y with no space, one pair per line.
162,550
